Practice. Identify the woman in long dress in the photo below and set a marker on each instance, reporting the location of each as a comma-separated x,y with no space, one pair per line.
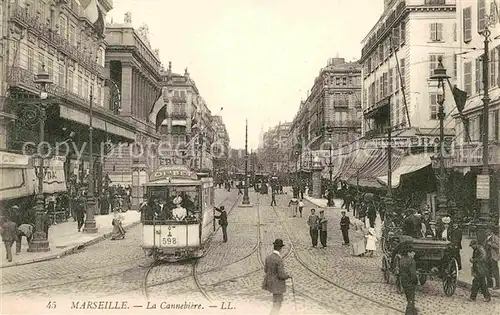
358,239
118,232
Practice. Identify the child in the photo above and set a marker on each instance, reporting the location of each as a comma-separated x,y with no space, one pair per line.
371,241
301,206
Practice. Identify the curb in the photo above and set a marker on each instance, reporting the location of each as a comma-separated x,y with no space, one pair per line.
71,250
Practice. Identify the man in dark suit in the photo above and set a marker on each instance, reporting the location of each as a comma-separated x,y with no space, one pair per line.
456,243
344,227
408,276
9,235
479,272
273,198
275,277
412,224
223,222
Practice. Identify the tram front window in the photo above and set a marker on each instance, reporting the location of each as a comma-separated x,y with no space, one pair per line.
174,204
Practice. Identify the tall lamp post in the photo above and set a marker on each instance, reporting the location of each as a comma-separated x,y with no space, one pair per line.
440,76
331,203
40,242
90,224
246,199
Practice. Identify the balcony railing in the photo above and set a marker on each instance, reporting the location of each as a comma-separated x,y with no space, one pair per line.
23,78
33,23
179,99
178,115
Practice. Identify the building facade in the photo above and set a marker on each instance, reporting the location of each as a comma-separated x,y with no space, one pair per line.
474,17
184,121
331,114
220,149
398,56
275,148
66,39
134,73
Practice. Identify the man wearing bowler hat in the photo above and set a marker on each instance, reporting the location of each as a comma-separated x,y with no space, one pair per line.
275,277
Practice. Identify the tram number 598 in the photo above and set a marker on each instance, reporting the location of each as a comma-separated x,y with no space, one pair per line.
168,241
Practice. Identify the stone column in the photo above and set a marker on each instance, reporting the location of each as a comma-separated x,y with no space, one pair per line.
316,177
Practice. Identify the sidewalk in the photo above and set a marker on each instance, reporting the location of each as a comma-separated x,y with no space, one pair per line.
464,275
65,239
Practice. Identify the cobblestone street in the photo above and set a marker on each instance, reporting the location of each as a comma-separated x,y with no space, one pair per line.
327,281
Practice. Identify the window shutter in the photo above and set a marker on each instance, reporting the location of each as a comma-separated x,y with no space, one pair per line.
481,16
433,31
468,77
439,31
467,23
478,75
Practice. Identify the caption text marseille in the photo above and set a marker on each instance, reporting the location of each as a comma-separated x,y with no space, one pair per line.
120,305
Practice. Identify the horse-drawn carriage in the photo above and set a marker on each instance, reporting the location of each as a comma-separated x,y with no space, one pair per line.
434,259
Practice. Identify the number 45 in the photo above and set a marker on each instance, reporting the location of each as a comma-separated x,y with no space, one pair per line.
51,305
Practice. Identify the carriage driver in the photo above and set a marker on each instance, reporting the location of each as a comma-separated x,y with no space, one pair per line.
179,213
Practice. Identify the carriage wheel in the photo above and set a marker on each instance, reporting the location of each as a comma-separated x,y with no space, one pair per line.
399,285
450,277
386,269
422,278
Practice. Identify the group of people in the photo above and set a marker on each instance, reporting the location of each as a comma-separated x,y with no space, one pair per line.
161,208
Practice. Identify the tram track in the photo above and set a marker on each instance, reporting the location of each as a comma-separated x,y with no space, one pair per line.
322,277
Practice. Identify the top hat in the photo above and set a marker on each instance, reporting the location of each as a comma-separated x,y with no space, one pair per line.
278,243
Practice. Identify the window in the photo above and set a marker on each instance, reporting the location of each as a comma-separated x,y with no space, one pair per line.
50,68
31,59
337,81
493,13
390,82
395,37
385,84
70,86
433,109
61,75
436,32
344,81
62,26
467,24
396,79
350,81
71,35
455,66
468,77
402,34
397,115
433,62
99,95
41,61
479,75
481,15
402,71
80,85
496,130
86,88
493,68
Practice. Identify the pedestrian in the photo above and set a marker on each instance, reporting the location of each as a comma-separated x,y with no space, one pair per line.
358,247
9,235
372,214
431,232
456,243
322,227
371,241
408,277
25,230
344,227
312,221
275,277
491,245
301,207
479,272
118,232
222,222
293,202
80,211
273,198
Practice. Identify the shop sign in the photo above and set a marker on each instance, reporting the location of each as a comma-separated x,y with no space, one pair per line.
12,159
409,142
473,155
483,187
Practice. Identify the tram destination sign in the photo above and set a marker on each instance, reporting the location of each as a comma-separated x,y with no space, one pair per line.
165,173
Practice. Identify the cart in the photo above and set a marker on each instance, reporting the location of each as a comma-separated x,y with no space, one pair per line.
434,260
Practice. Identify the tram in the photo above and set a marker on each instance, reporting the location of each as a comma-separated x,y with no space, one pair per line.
179,217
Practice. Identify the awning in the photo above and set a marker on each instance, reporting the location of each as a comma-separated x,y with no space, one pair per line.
16,176
80,117
179,122
408,165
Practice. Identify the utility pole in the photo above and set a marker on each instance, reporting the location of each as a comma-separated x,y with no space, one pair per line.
484,178
246,199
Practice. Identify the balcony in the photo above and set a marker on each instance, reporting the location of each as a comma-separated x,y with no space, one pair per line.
435,2
43,31
379,110
178,115
179,99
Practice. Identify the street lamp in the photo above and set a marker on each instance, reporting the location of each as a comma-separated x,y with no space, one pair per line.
90,226
40,242
331,203
246,199
440,76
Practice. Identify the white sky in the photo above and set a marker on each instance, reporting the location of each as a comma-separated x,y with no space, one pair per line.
257,59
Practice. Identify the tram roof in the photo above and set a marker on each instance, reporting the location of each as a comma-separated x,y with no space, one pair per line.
174,182
168,174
